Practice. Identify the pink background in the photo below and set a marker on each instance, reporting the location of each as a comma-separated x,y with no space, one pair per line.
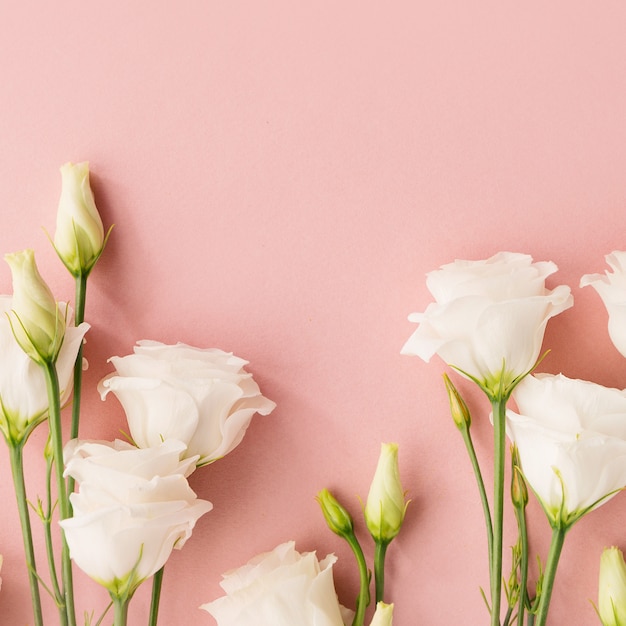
281,176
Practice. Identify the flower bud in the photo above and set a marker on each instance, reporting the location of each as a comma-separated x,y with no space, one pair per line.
386,505
337,518
79,237
612,588
519,490
37,324
383,615
458,408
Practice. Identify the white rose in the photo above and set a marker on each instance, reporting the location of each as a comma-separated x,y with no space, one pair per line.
571,437
23,393
133,507
203,397
489,317
612,289
279,588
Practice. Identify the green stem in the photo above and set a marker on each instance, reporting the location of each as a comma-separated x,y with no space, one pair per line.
120,608
56,436
379,569
556,546
523,534
364,591
157,583
499,413
47,525
17,469
469,444
79,318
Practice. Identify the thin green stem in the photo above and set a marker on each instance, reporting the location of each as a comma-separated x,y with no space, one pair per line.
157,583
364,592
469,444
520,514
56,436
120,608
499,413
17,470
379,569
556,546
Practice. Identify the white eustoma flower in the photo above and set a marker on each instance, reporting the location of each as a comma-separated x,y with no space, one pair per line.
79,237
612,289
23,393
279,588
203,397
571,438
489,317
612,588
133,507
383,615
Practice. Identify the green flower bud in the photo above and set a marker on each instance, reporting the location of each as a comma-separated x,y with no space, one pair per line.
79,237
386,504
337,518
383,615
612,588
37,324
458,408
519,490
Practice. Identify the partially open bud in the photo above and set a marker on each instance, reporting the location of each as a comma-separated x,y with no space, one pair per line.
79,237
337,517
458,408
37,323
612,588
383,615
386,504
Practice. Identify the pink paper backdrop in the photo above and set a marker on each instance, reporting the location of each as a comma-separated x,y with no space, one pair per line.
281,176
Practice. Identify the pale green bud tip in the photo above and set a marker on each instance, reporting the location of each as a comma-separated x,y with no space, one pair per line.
337,518
612,588
383,615
37,325
386,503
519,491
458,408
79,237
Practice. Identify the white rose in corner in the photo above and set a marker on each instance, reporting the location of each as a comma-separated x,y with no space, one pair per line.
571,437
489,316
203,397
612,289
134,506
279,588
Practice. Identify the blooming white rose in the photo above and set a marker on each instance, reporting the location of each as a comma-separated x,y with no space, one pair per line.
612,588
571,438
79,237
489,317
203,397
279,588
23,393
612,289
134,506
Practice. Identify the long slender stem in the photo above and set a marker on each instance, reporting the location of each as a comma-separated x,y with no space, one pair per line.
56,435
469,444
520,514
120,608
364,591
556,546
17,469
379,569
499,413
157,583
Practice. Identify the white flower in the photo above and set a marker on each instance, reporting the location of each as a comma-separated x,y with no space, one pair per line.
134,506
79,237
383,615
23,393
612,588
279,588
571,438
612,289
203,397
489,317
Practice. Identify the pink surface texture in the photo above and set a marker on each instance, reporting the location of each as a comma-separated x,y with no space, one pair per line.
281,176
